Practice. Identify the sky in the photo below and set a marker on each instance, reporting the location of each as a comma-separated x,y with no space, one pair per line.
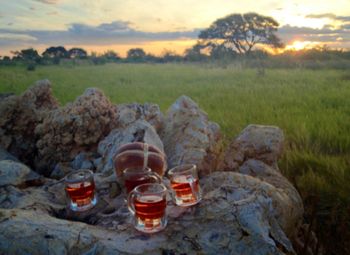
160,25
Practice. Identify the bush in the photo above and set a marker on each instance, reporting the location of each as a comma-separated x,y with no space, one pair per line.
31,67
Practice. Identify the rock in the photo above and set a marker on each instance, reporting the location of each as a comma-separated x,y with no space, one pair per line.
40,95
129,113
189,137
77,127
237,215
4,155
4,95
60,170
15,173
19,115
138,131
287,201
264,143
48,197
78,160
84,160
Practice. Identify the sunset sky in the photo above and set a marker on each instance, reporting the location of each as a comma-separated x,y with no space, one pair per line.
156,25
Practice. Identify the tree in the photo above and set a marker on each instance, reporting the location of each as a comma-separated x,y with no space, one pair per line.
152,58
195,53
241,32
136,54
6,60
28,55
111,55
56,52
220,52
77,53
170,56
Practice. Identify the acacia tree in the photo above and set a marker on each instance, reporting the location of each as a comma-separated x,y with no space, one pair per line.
194,53
241,32
77,53
28,55
55,52
136,54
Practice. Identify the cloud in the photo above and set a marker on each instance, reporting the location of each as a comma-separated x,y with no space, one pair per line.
102,34
292,30
330,33
344,18
124,32
329,16
48,1
52,13
15,39
321,16
113,27
327,34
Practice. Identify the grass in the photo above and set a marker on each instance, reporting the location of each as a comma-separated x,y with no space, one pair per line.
311,106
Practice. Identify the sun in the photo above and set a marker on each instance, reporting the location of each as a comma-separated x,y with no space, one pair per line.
301,45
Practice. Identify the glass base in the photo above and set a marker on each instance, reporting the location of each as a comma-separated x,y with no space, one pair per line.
187,201
86,205
150,225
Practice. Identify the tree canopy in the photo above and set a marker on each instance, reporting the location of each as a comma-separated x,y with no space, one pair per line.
77,53
241,32
56,52
27,55
136,54
111,55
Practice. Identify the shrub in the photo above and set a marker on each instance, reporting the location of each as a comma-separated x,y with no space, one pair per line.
31,67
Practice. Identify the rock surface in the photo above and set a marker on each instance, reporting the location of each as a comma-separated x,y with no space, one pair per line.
264,143
138,131
236,216
129,113
190,138
19,115
78,126
4,95
15,173
252,209
5,155
287,201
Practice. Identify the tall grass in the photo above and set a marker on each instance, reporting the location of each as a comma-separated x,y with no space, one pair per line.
312,107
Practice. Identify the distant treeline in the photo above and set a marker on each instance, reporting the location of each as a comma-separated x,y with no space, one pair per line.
233,39
316,58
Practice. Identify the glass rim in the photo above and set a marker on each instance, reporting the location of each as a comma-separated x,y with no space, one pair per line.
136,170
88,172
138,191
180,169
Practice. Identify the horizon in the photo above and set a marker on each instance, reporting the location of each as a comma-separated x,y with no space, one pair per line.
155,26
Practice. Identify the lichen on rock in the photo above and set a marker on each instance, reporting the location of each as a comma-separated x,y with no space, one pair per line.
76,127
19,117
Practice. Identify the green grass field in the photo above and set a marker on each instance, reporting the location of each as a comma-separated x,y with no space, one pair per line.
312,107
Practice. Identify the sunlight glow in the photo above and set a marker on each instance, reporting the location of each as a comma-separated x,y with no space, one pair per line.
301,45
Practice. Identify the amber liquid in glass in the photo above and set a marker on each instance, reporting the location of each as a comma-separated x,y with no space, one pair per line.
81,193
183,190
150,209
